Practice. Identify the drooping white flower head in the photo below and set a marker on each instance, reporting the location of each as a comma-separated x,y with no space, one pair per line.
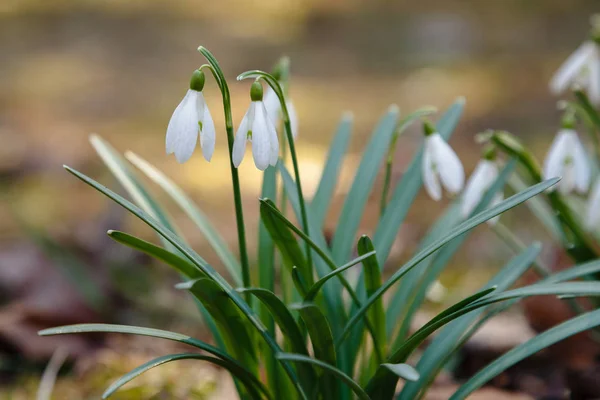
190,119
441,166
273,107
593,208
257,127
567,159
581,68
483,177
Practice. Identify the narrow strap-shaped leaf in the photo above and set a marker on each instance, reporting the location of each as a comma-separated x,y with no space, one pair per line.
568,328
284,240
196,215
235,329
321,338
252,384
574,272
329,178
432,358
312,292
290,329
180,264
459,230
356,200
360,393
404,371
372,274
413,288
199,262
136,330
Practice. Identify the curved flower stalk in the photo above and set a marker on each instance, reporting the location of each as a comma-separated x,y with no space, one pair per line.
273,107
191,119
257,127
441,166
481,180
567,159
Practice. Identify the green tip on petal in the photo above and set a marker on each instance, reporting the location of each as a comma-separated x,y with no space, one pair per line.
256,91
197,81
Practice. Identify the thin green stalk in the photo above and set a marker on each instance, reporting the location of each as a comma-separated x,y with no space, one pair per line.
577,242
594,117
271,81
237,196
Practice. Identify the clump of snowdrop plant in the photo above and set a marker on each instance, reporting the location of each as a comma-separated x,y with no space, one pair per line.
316,335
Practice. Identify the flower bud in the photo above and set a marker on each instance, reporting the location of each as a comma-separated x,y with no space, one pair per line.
256,91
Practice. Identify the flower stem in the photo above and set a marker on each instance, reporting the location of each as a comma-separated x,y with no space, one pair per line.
577,242
237,196
271,81
594,117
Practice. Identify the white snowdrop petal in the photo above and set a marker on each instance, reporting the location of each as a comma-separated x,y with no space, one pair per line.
182,131
593,87
200,106
593,208
582,171
261,144
272,134
554,161
450,169
483,176
241,136
573,65
293,118
207,135
430,177
271,102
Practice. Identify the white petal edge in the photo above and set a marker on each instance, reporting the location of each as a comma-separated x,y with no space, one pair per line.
483,176
241,137
583,173
261,143
430,178
450,169
554,161
594,77
182,131
293,118
207,135
572,66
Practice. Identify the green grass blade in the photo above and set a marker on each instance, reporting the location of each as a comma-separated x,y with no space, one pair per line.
574,272
568,328
321,338
236,331
404,371
193,212
459,230
406,191
252,384
136,330
314,290
433,357
321,201
284,240
413,288
356,200
180,264
196,260
290,329
360,393
372,274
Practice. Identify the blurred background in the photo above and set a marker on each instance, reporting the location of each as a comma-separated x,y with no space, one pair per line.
118,68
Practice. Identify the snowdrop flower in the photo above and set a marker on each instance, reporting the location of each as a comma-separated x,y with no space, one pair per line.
273,107
483,177
441,165
190,119
581,68
567,159
257,127
593,208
